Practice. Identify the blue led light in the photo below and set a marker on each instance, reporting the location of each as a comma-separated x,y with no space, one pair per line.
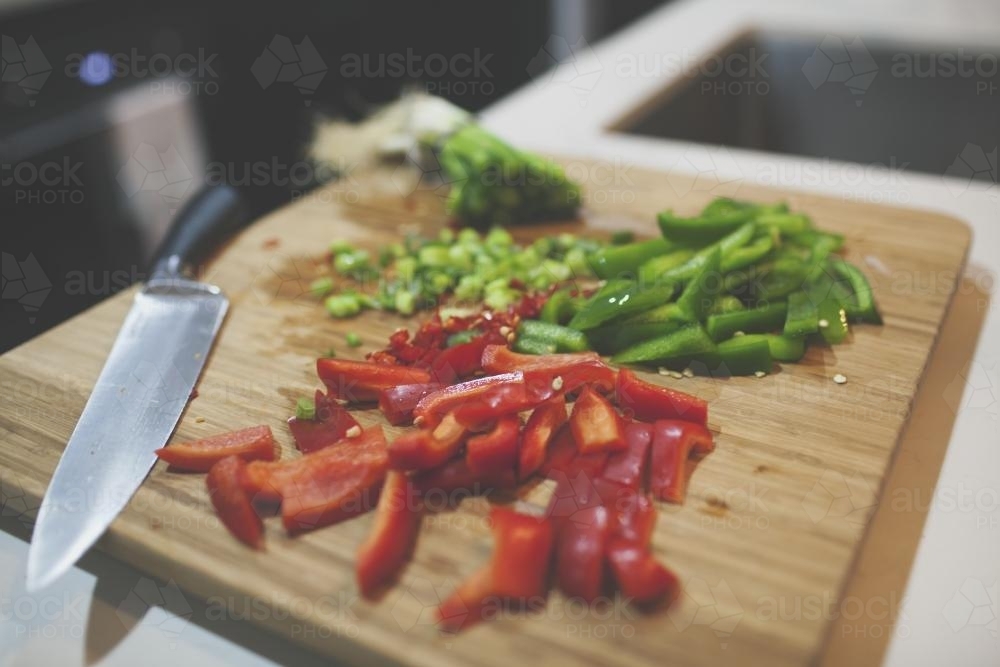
96,70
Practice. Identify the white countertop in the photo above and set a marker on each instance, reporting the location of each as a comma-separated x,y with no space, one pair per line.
947,610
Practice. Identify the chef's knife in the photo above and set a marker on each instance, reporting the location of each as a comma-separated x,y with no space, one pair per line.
141,392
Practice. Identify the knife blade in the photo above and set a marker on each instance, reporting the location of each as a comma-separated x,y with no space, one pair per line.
140,394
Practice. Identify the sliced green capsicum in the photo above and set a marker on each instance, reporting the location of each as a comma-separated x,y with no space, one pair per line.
753,320
677,348
632,298
861,306
617,261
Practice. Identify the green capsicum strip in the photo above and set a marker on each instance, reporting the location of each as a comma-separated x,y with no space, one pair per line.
651,270
617,261
675,349
748,254
754,320
564,338
803,316
725,245
786,223
703,229
558,308
528,345
634,298
615,337
783,348
726,303
699,294
861,307
832,317
742,355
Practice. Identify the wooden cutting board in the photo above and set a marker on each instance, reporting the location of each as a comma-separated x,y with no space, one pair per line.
772,521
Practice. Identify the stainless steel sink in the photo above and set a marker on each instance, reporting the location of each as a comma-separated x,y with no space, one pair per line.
840,98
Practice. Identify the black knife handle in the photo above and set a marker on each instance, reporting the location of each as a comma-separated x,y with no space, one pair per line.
208,219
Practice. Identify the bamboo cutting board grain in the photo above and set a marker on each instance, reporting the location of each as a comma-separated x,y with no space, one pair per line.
763,545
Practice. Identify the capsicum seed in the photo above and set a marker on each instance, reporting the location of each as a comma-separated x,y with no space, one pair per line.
840,378
353,432
824,323
557,383
738,333
759,374
688,373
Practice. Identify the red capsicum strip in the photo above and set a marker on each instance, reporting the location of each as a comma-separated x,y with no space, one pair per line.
563,457
427,447
390,543
575,491
628,466
580,549
633,514
573,370
397,403
674,441
496,449
331,424
649,402
439,484
516,573
639,575
225,483
461,360
249,444
501,359
361,381
434,406
538,432
326,486
595,424
570,378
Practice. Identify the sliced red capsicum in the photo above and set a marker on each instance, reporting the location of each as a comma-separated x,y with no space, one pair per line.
496,449
568,379
361,381
249,444
580,548
332,422
539,430
427,447
435,405
563,457
674,442
574,492
438,484
460,360
397,403
649,402
393,535
573,370
326,486
225,483
501,359
595,424
628,466
517,571
639,575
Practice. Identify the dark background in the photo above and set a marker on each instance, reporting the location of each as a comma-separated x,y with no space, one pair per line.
92,174
89,234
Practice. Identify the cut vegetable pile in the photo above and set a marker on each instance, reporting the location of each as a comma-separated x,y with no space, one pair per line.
729,292
621,444
515,390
